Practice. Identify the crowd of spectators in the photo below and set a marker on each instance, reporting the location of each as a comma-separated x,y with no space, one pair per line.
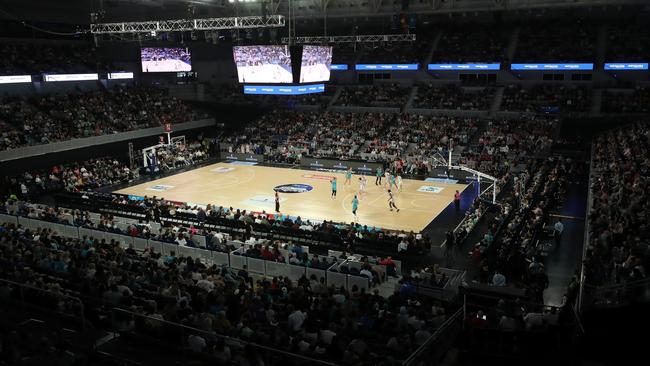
505,143
547,99
472,44
178,155
510,252
20,58
627,101
453,97
384,95
627,42
303,317
406,141
101,172
560,43
72,177
43,119
617,250
395,53
308,133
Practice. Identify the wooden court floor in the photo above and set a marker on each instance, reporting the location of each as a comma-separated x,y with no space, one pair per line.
252,188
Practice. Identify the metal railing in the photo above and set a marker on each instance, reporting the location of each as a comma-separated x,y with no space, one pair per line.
585,243
184,331
616,295
433,348
32,297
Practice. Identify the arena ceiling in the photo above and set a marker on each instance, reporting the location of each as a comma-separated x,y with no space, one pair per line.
78,11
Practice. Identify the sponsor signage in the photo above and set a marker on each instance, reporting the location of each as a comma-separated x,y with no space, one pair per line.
472,66
223,169
547,67
430,189
284,89
71,77
441,180
386,67
242,157
358,166
160,188
626,66
318,176
293,188
338,67
120,75
15,79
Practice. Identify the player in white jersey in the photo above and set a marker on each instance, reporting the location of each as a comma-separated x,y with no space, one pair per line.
387,176
391,201
399,183
362,184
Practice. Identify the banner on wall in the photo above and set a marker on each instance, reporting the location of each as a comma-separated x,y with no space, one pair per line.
358,166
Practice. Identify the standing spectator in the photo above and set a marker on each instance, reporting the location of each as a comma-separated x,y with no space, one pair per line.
557,231
457,200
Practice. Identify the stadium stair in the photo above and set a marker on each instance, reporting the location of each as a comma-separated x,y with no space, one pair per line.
434,46
496,102
409,101
596,102
601,45
339,89
512,46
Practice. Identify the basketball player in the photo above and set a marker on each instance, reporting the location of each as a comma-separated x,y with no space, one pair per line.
333,181
393,182
355,206
277,201
399,183
387,176
378,176
362,184
348,177
391,201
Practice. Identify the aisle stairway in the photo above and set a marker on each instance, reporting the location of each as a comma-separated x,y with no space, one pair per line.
512,46
409,101
434,47
496,102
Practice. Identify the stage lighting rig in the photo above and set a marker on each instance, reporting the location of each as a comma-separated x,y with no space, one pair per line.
180,25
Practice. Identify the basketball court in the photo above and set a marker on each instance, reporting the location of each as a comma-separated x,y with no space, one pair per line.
251,187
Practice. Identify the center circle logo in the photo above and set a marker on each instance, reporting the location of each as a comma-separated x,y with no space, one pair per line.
293,188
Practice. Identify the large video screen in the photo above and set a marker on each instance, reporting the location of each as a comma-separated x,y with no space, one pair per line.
263,64
315,64
165,59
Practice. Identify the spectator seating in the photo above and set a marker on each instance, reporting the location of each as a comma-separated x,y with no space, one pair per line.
37,58
544,99
59,117
453,97
572,42
383,95
466,43
626,101
617,242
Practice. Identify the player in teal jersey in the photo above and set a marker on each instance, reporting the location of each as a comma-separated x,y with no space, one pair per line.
378,175
333,181
355,206
348,177
392,182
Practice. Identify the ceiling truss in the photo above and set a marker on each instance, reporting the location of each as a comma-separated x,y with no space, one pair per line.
353,39
180,25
